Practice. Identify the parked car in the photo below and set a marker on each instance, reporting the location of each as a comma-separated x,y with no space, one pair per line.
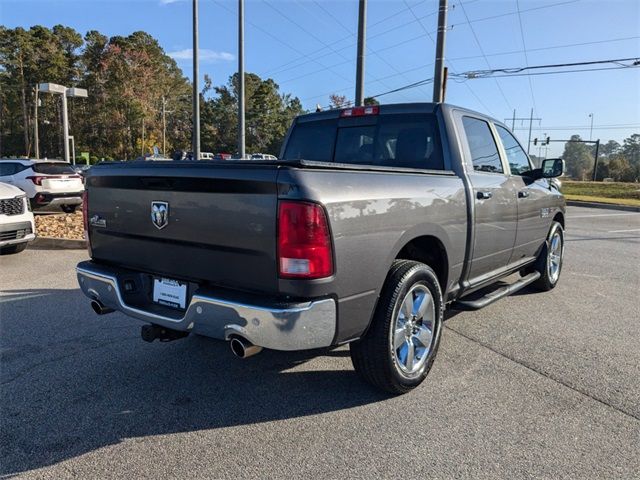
47,183
372,223
17,228
262,156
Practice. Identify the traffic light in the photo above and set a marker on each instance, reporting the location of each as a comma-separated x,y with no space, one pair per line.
535,141
548,140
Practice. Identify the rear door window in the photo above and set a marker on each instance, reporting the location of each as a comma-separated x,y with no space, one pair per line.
7,168
484,152
53,169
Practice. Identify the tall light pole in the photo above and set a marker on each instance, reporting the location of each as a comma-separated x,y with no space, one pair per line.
36,136
438,75
241,127
591,128
196,90
362,46
65,92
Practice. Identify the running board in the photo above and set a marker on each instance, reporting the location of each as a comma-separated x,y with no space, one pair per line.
495,295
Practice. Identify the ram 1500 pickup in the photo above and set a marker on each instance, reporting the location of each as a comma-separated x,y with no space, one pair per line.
372,222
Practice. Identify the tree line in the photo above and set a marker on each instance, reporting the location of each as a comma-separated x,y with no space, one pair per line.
138,98
620,162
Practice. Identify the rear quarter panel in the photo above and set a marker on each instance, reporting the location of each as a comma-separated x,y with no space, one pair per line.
372,215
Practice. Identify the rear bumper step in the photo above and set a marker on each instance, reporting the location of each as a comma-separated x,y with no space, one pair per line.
495,295
299,326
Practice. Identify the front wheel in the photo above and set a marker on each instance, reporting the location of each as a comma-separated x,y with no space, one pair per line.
397,352
549,262
11,249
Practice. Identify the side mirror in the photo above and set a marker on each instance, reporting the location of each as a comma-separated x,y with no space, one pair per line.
552,167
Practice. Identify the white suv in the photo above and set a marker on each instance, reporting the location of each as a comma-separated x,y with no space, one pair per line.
47,183
16,220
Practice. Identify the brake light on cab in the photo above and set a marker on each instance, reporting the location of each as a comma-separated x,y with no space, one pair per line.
360,111
304,241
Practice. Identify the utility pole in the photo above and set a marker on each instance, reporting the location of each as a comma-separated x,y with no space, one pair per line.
362,46
438,75
35,126
241,136
65,128
591,128
164,127
196,90
531,120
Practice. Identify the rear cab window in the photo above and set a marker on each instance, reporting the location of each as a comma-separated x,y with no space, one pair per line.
386,140
53,168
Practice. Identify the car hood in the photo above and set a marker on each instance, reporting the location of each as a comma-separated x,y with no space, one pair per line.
9,191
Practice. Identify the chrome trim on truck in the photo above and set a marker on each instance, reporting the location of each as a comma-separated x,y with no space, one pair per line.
300,326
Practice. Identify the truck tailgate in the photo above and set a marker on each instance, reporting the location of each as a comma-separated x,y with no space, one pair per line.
220,221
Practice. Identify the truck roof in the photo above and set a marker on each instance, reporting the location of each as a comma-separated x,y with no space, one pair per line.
394,108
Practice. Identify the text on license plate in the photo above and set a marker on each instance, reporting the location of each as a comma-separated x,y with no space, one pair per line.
169,292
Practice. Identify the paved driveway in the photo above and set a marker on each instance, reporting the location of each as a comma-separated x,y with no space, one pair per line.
536,385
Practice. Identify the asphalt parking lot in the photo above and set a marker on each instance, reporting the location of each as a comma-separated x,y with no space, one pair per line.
536,385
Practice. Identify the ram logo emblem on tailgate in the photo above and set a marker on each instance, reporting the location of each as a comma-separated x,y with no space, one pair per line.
160,214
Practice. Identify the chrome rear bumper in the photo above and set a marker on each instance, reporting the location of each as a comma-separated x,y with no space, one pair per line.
299,326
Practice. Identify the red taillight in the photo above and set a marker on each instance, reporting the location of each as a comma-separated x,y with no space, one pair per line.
37,180
304,242
360,111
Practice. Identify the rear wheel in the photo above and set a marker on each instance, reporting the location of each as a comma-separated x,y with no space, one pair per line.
68,208
397,352
11,249
549,262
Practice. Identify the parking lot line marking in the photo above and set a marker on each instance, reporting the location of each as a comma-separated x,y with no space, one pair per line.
13,298
624,231
604,215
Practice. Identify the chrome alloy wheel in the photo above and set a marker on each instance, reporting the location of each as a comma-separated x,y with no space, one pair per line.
412,333
554,260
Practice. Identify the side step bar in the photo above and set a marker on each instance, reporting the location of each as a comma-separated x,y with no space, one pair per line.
495,295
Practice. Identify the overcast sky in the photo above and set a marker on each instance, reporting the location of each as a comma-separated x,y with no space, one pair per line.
308,48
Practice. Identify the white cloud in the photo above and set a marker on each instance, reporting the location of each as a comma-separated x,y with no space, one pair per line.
167,2
205,55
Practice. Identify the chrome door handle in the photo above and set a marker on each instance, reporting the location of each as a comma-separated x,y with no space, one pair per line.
483,195
523,194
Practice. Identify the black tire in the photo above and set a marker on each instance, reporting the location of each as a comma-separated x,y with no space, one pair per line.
68,208
11,249
373,356
548,280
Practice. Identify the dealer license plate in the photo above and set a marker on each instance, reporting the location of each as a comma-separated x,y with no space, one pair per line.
170,292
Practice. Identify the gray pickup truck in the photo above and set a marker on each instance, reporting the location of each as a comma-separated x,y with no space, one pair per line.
371,223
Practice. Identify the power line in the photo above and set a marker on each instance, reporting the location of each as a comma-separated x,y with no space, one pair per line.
464,11
481,73
526,58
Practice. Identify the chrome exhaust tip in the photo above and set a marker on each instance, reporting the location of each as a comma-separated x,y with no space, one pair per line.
99,308
242,348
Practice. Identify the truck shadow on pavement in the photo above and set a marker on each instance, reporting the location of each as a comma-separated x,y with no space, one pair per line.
73,382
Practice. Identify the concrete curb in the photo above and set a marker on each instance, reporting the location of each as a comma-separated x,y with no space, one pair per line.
606,206
51,243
